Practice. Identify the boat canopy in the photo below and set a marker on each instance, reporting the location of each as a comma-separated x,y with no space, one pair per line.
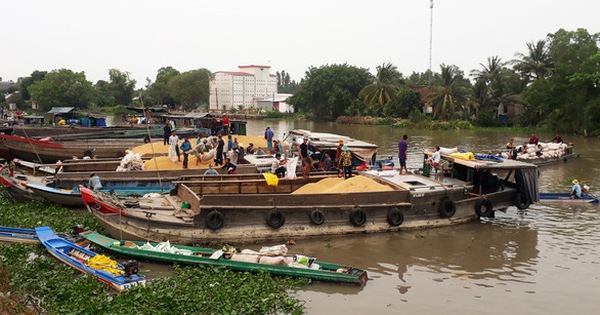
329,141
61,110
526,174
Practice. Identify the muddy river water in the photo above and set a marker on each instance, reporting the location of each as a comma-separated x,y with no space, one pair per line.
543,260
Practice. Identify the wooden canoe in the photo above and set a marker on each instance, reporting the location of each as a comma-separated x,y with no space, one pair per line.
18,235
77,257
328,272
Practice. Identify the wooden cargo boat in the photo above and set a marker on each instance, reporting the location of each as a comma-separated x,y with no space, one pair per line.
547,161
52,151
252,211
197,256
321,142
566,198
124,277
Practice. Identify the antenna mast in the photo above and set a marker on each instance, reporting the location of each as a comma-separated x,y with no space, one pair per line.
430,37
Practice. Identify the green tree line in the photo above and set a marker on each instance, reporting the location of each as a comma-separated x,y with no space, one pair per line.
554,84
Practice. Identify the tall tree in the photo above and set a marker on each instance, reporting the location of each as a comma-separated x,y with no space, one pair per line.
328,91
159,91
62,87
450,92
384,89
27,81
191,88
537,64
121,87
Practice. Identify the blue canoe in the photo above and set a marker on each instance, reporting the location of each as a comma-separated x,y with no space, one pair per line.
565,197
72,198
78,258
17,235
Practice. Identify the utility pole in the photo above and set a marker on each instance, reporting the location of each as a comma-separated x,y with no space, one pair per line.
430,37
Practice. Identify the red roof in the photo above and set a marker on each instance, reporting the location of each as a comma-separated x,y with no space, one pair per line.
254,66
425,92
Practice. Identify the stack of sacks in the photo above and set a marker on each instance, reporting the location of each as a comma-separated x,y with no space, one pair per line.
549,151
131,162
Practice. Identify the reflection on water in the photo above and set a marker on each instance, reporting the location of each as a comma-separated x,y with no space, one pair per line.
543,260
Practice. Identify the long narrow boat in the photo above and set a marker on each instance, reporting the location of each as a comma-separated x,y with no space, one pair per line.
80,259
247,211
195,256
566,198
72,197
18,235
52,151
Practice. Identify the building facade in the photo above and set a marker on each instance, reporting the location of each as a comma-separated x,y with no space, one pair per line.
243,88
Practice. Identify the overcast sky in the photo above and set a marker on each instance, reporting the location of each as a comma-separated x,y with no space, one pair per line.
140,37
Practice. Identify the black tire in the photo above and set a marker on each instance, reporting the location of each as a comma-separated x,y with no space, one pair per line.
358,217
395,217
484,208
215,220
317,217
275,219
447,208
521,201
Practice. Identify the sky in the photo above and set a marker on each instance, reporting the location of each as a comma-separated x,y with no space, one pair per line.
140,37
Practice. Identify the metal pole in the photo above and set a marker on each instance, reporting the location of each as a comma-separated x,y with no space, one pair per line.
430,37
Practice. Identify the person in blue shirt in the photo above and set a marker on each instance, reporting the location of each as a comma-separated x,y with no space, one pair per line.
94,182
576,190
186,147
269,137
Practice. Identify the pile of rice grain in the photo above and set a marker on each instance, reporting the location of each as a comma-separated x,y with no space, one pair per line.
339,185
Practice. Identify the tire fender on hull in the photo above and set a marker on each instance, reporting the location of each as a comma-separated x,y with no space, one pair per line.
395,217
317,217
358,217
215,220
521,201
484,208
447,208
275,219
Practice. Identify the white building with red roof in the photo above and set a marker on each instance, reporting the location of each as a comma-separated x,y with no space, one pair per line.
242,88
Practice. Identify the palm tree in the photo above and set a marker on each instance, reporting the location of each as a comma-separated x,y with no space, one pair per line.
384,89
450,92
537,64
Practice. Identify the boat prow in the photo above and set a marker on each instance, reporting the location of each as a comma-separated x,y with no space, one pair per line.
119,278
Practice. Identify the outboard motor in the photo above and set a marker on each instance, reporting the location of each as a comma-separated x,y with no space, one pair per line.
131,267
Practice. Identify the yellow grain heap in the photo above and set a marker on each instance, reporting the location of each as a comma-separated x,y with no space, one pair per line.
339,185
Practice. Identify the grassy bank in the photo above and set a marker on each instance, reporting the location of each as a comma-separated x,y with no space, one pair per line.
32,282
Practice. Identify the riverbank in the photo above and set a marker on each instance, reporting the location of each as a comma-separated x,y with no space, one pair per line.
33,282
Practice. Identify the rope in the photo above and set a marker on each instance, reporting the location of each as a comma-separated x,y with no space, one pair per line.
31,143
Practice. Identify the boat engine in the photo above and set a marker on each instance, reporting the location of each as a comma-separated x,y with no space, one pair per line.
130,267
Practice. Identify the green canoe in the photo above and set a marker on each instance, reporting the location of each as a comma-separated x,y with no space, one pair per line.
327,272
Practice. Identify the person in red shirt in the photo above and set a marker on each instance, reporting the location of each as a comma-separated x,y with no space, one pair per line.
534,139
226,124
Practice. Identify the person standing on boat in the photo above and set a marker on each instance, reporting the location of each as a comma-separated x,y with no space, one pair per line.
174,145
306,159
214,128
402,153
220,145
186,146
269,137
226,124
346,162
94,182
576,189
327,163
167,133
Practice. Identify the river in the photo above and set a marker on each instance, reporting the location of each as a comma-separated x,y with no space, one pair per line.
543,260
